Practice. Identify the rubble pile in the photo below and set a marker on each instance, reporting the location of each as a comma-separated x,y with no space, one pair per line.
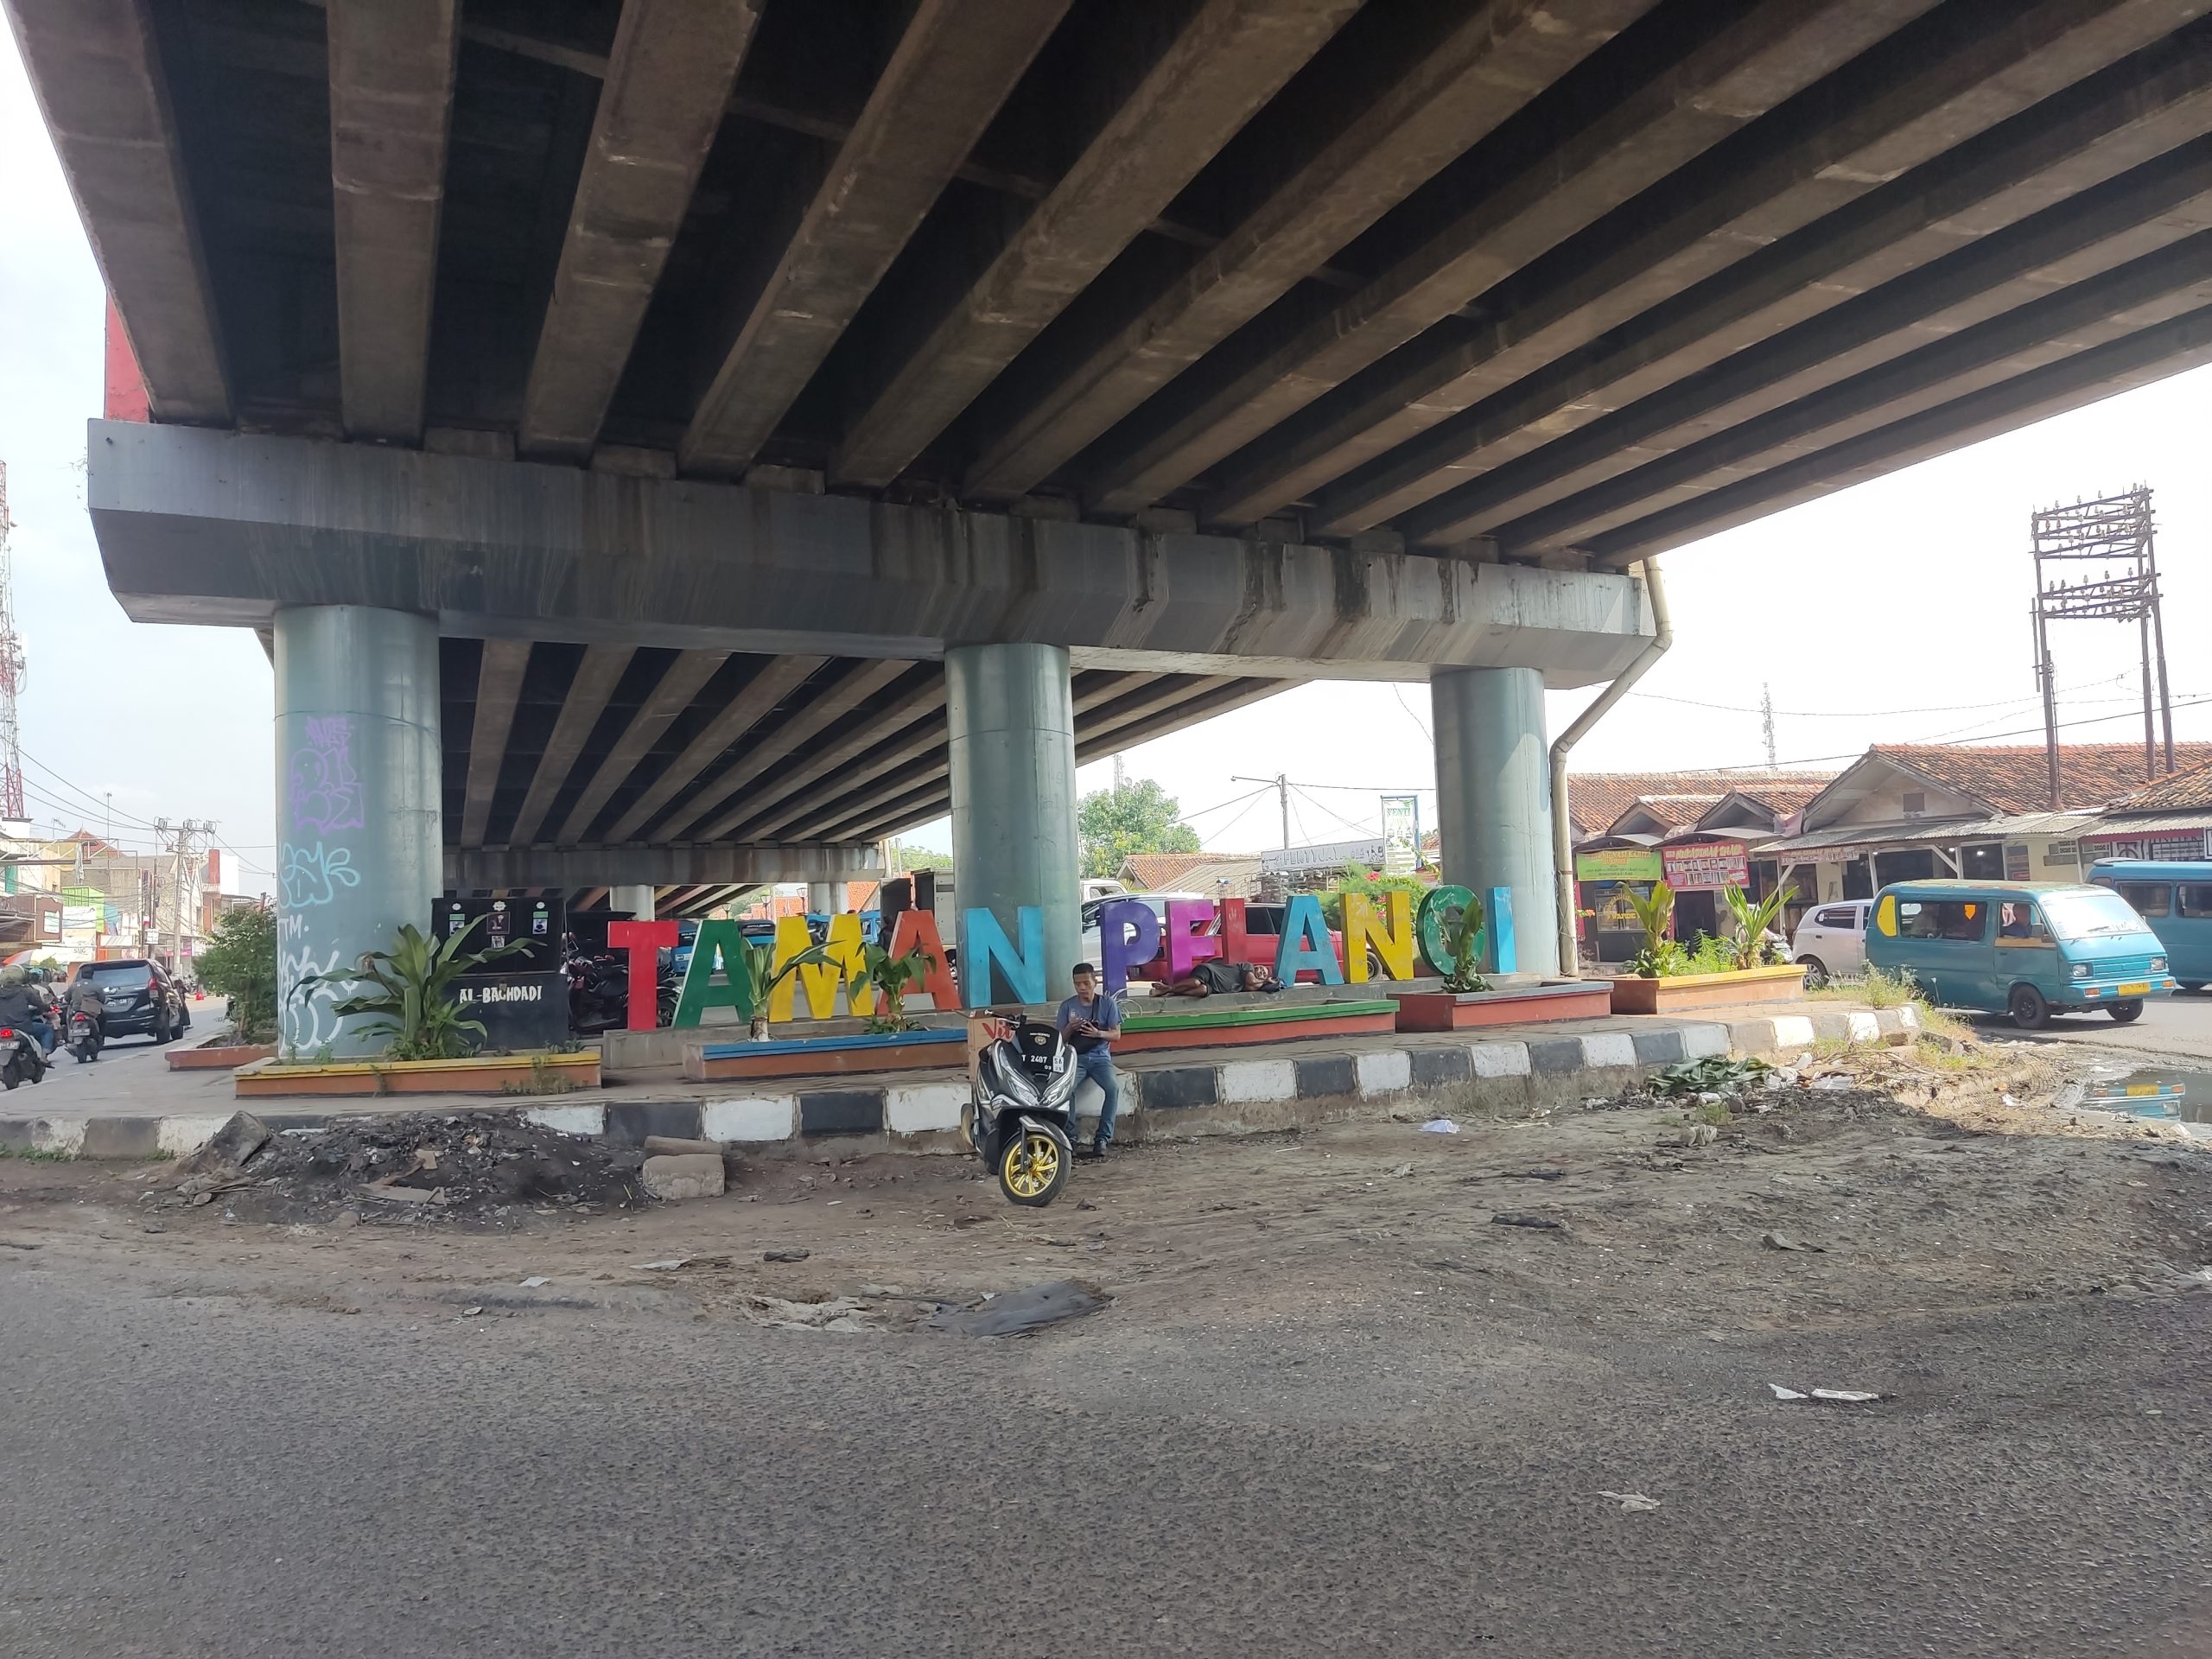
412,1165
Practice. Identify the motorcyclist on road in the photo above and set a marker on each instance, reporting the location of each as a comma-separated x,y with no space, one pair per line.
86,997
46,1008
20,1009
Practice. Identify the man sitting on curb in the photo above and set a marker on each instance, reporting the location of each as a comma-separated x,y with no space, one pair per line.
1090,1021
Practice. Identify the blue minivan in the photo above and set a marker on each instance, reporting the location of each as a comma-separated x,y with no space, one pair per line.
2175,898
2028,950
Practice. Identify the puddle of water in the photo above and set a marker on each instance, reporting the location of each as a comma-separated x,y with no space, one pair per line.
2159,1092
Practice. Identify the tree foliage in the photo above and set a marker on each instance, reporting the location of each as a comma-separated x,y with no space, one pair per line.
909,859
1138,816
239,961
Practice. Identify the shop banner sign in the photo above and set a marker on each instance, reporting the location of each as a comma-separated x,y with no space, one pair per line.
1617,864
1401,834
1707,864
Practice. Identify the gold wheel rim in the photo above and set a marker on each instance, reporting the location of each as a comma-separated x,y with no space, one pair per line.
1030,1164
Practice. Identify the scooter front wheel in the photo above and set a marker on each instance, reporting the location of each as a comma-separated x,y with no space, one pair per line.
1033,1168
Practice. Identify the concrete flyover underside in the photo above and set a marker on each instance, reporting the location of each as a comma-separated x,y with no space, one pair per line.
709,372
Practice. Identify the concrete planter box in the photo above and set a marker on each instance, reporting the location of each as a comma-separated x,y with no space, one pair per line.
825,1057
218,1057
1209,1026
486,1075
1635,995
1467,1010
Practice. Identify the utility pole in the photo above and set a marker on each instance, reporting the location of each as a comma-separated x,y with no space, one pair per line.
1281,781
1766,720
1118,777
11,677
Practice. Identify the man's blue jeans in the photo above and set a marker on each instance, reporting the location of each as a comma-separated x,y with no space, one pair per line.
1097,1064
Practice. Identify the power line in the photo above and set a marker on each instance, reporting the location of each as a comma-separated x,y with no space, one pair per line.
1991,737
1864,714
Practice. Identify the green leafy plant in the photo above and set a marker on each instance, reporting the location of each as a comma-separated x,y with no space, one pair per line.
1136,815
409,990
1372,884
1753,918
1659,956
239,961
1467,972
891,977
760,964
1716,1074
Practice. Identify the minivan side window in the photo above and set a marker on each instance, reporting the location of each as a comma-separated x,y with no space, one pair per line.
2195,900
2149,898
1956,919
1845,916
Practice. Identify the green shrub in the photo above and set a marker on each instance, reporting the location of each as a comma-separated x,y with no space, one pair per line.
239,961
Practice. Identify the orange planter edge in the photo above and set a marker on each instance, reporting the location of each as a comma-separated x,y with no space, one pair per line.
213,1057
264,1078
1635,995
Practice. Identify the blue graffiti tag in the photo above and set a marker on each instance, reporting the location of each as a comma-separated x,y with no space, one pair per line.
312,876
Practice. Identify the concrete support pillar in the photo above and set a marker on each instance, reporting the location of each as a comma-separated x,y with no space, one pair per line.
822,898
1493,797
1013,751
361,846
638,900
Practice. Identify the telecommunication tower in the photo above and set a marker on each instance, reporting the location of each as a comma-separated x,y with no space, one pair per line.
2113,533
11,676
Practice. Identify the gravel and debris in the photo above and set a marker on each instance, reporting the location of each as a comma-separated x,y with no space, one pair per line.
485,1168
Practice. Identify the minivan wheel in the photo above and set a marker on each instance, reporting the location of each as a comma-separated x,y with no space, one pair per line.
2127,1013
1816,972
2028,1011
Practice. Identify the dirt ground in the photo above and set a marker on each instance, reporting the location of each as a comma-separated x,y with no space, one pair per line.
1915,1190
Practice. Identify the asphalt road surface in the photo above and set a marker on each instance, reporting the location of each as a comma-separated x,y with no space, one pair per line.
1341,1414
2177,1027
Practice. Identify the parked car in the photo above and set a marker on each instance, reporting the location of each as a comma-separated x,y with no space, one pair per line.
142,999
1831,942
2028,950
2175,900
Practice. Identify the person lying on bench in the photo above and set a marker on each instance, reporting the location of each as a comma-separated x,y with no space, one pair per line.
1215,977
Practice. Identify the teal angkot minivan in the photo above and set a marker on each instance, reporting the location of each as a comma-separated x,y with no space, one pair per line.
2028,950
2175,900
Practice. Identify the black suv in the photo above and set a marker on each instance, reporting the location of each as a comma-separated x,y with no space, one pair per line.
142,1001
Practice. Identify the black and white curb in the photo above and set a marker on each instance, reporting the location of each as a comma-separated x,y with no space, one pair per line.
1257,1092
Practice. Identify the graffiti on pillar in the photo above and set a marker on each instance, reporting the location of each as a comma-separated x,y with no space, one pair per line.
310,1020
313,876
320,788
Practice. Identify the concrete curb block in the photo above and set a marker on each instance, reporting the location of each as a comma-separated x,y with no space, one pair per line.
1246,1094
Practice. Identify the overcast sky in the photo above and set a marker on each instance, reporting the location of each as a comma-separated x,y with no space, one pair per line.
1896,612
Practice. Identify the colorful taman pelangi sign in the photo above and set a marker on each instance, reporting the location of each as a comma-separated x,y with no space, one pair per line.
1404,940
1708,864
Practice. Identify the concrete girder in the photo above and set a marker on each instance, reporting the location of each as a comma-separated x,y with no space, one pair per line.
392,74
499,688
224,528
1492,60
2118,303
953,67
2136,359
680,684
853,688
586,897
932,796
1230,58
755,701
892,748
1749,65
2159,203
668,81
468,867
1950,76
923,701
96,72
590,693
2034,160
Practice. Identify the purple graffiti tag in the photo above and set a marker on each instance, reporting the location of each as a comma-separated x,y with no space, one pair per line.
320,788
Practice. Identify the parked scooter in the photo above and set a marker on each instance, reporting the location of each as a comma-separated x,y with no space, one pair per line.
85,1039
1020,1117
21,1059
